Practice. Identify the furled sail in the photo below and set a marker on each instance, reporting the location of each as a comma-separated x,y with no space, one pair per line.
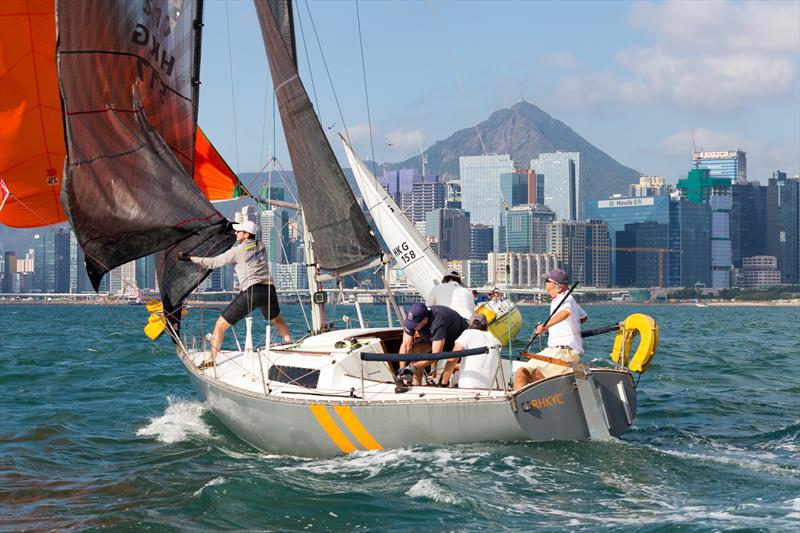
340,232
32,126
422,267
128,97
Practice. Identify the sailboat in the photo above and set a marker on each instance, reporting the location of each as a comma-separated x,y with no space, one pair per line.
129,95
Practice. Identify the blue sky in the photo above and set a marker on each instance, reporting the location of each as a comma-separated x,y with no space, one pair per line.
630,77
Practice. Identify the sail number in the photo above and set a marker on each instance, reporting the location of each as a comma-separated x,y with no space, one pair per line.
403,252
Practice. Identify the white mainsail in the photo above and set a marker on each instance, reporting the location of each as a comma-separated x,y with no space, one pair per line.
422,267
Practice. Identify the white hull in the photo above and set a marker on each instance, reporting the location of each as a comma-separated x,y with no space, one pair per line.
341,413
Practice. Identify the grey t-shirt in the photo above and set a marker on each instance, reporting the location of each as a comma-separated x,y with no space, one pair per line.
249,261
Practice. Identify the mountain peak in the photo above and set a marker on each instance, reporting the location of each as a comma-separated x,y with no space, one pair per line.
524,131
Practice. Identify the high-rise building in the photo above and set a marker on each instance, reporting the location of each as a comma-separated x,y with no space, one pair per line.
146,272
480,188
729,164
699,186
535,188
523,270
291,276
426,195
514,186
527,228
622,212
481,240
562,182
748,221
583,250
44,273
783,225
452,229
122,280
650,186
62,265
689,243
9,270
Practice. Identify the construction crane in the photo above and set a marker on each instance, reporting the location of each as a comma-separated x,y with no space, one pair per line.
694,151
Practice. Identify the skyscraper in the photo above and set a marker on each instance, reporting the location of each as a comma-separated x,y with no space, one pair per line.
9,270
700,187
561,171
622,212
583,250
451,227
480,188
783,207
748,221
514,186
62,257
730,164
481,240
527,228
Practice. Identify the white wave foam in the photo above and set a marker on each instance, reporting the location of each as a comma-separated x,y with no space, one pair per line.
371,463
721,458
181,419
216,481
795,506
426,488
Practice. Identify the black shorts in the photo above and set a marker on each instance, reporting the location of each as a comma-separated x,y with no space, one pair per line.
261,297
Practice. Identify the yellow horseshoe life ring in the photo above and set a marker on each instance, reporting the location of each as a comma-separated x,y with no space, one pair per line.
647,330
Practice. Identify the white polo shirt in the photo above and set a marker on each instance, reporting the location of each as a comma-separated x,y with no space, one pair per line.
567,332
454,296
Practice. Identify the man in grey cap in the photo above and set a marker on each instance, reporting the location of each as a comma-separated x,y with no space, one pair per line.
564,341
257,292
451,293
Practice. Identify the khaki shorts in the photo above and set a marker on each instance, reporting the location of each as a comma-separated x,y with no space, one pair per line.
567,355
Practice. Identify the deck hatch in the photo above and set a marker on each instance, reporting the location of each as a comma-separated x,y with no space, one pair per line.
294,375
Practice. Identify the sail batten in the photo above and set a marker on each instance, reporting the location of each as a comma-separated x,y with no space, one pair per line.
341,236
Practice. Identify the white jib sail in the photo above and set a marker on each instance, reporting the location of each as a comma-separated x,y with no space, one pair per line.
423,268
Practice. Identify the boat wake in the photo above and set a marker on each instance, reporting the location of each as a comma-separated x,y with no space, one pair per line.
181,420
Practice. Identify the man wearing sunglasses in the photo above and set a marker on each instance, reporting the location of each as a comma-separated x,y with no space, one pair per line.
564,341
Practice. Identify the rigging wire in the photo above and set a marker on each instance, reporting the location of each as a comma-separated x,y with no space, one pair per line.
328,72
467,103
308,62
233,97
366,92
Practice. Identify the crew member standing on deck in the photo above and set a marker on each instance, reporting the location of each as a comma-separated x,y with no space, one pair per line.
451,293
564,341
257,291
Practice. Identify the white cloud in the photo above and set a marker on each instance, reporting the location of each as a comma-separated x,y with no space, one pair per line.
713,25
404,140
762,159
709,56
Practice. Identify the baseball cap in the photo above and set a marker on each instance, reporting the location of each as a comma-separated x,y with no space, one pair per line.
558,276
416,313
249,227
478,321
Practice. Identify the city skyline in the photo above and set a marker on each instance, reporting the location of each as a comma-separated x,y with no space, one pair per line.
633,78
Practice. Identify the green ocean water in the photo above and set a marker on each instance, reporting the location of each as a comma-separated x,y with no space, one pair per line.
101,428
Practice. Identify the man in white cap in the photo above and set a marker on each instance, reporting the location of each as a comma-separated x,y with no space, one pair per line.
257,291
451,293
564,341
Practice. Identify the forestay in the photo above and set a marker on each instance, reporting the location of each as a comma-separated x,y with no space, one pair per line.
340,234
